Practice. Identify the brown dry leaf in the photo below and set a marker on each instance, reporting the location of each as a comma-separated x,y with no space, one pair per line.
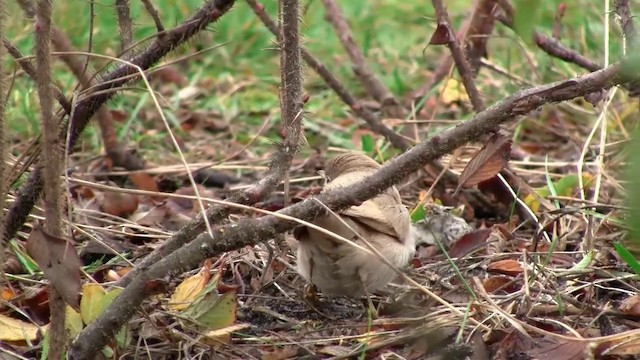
119,115
469,242
170,74
506,267
487,162
443,35
631,306
498,239
119,204
143,181
495,282
59,261
17,330
548,348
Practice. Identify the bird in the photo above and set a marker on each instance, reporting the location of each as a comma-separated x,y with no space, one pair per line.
337,268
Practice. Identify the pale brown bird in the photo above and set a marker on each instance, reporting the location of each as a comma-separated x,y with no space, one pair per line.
339,268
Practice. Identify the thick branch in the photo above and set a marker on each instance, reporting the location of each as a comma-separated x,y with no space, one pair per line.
251,231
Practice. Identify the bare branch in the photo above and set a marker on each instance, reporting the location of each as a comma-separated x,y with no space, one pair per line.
459,57
3,134
125,25
154,15
250,231
623,12
374,123
370,82
52,163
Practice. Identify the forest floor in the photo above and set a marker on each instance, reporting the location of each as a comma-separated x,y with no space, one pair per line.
537,278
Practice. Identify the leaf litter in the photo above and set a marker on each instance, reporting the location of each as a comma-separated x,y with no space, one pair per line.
506,297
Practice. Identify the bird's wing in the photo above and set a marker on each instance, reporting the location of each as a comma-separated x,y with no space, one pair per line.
385,213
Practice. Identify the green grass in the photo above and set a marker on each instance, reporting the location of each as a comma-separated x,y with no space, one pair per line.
392,34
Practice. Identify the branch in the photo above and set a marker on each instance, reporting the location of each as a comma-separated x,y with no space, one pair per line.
211,11
125,25
621,8
372,85
466,74
548,44
291,131
154,15
4,179
250,231
367,115
52,163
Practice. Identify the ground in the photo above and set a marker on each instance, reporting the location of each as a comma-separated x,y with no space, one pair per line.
533,280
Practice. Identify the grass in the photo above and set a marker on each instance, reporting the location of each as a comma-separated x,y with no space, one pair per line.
248,55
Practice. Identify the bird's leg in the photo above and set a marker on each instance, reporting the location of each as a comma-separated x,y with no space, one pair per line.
371,309
310,294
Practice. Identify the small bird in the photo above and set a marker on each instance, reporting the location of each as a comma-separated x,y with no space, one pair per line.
338,268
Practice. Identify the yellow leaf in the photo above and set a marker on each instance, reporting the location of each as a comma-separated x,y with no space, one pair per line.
216,337
454,92
188,290
17,330
74,322
90,309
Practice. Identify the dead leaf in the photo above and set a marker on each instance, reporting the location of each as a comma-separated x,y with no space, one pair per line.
59,261
143,181
487,162
469,242
507,267
189,289
90,309
625,343
213,310
443,35
454,92
119,204
631,306
17,330
495,283
549,348
280,353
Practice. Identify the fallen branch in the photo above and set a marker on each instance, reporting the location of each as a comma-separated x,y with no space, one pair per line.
252,231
